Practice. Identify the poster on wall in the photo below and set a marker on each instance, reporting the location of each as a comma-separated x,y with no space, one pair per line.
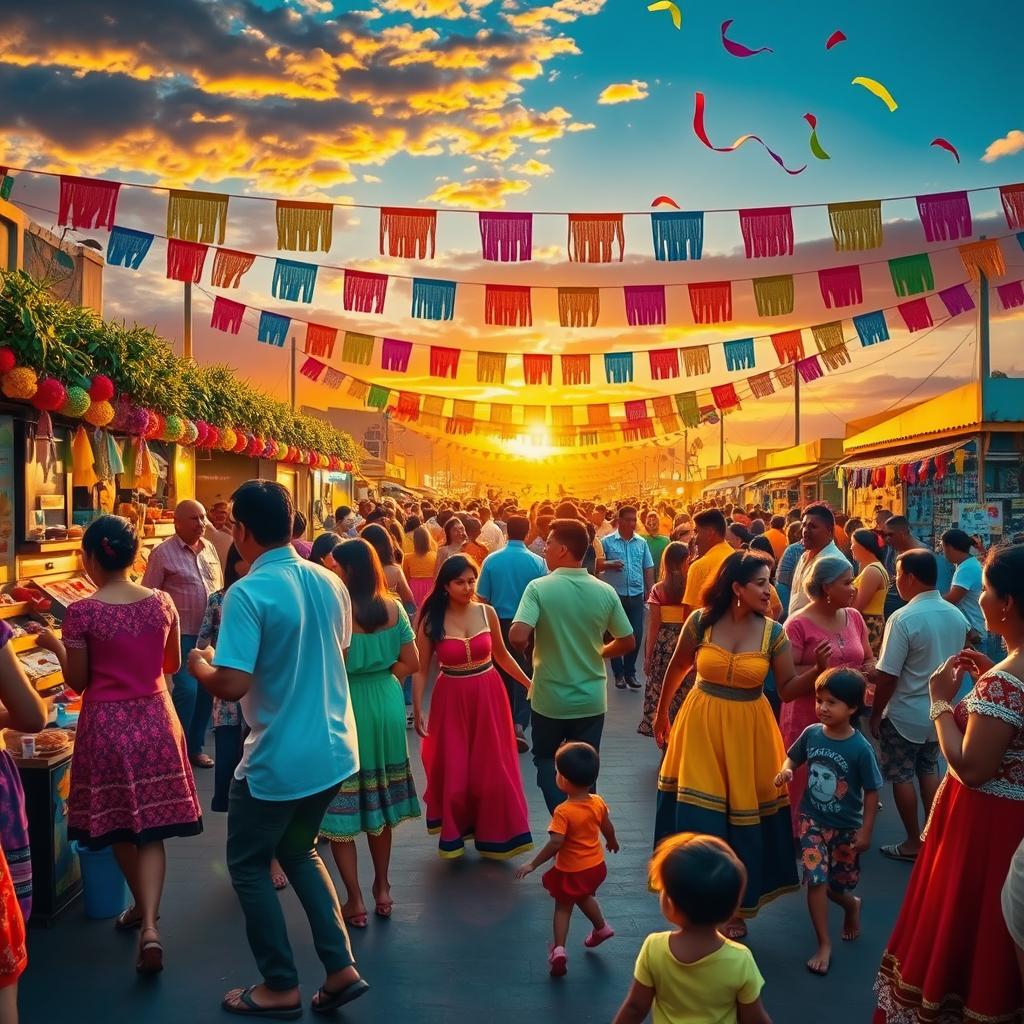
981,520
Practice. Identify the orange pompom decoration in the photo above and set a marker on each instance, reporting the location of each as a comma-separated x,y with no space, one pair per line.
227,439
99,414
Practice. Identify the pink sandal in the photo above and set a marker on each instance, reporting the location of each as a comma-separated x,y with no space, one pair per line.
557,961
599,935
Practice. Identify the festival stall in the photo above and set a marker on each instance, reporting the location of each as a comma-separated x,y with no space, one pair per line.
798,476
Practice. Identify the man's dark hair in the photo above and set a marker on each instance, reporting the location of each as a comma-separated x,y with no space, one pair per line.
518,527
897,523
822,512
778,522
958,540
921,564
265,509
713,519
342,512
626,510
573,534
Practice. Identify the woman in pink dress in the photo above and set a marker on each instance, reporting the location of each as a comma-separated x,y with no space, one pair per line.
131,784
474,789
827,633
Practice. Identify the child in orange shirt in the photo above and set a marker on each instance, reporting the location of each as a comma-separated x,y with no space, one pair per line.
575,842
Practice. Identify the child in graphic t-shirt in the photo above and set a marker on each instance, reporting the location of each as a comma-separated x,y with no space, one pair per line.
837,812
577,825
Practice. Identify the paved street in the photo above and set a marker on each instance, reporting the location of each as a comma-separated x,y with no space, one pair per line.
465,937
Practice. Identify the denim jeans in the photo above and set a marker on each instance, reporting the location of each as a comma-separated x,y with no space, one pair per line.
517,701
634,609
548,735
227,744
257,831
191,701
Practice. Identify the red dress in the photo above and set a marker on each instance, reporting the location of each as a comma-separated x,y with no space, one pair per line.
474,789
950,959
13,957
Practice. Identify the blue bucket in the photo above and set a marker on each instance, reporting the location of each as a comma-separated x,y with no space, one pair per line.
103,884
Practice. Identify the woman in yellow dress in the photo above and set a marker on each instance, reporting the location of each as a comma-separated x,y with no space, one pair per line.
718,775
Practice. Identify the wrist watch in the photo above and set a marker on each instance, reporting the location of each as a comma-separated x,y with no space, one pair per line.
939,707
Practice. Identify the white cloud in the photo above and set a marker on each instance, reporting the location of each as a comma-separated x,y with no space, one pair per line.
1012,142
623,92
535,168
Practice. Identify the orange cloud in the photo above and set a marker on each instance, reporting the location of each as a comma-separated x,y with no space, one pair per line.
478,193
1012,142
534,168
449,9
561,11
623,92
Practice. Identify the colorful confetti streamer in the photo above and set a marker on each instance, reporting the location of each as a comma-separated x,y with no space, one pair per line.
877,89
667,5
948,146
738,49
816,148
701,133
837,37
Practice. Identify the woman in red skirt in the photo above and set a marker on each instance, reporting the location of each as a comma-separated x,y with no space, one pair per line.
950,958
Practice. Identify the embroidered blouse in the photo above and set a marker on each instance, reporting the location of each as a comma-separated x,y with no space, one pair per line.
999,695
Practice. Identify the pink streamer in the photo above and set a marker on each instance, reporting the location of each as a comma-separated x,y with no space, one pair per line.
809,369
957,299
506,237
645,304
87,202
227,315
916,314
945,216
841,286
1011,295
768,231
394,354
738,49
364,293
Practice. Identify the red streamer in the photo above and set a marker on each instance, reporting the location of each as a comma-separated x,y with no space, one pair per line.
364,293
789,346
711,301
444,362
946,145
185,260
320,340
408,407
88,202
837,37
916,314
312,368
701,133
227,315
537,368
725,397
507,305
664,363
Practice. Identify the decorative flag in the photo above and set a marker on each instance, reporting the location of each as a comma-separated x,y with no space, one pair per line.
786,375
394,354
333,378
185,260
828,336
957,299
293,282
506,237
431,420
916,314
273,328
697,360
537,368
678,235
664,363
984,257
304,227
739,355
638,430
433,300
588,437
689,411
320,340
664,405
86,202
408,407
856,226
809,369
459,427
444,362
701,132
637,410
645,304
725,397
575,369
227,315
364,292
836,356
409,232
945,216
507,305
561,415
358,389
501,413
789,346
378,397
593,236
463,410
761,385
357,348
490,367
618,367
871,328
1011,295
6,185
774,295
197,216
1012,197
670,424
578,307
711,302
312,368
433,405
767,231
912,274
228,267
841,286
128,248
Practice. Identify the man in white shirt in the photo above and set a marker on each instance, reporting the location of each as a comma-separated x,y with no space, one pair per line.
818,528
490,533
919,637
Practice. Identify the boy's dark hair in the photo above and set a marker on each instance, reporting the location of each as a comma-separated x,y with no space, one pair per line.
845,684
579,763
701,875
265,509
712,518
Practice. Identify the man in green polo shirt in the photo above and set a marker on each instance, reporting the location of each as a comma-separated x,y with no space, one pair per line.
568,613
656,540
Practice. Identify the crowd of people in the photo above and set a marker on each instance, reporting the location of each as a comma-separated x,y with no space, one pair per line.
792,666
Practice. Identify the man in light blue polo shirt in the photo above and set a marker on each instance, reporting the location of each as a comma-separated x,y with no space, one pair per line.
280,652
629,570
503,578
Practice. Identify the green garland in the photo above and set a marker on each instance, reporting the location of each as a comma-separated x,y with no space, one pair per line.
73,344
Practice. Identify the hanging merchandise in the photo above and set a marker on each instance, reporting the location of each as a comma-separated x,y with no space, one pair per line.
857,226
578,307
711,302
410,233
506,237
841,286
774,295
395,355
507,305
229,266
304,226
678,235
911,274
490,367
871,328
618,367
128,248
739,355
185,260
364,292
433,300
945,216
197,216
87,203
767,231
293,281
664,363
537,368
575,369
594,236
227,315
320,340
645,304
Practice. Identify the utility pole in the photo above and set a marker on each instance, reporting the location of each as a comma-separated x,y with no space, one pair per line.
721,438
686,459
984,373
291,376
796,406
186,334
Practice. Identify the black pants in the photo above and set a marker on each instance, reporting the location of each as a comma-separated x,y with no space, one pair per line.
548,735
634,609
517,701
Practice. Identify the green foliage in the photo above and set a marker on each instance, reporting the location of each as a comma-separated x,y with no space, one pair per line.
73,344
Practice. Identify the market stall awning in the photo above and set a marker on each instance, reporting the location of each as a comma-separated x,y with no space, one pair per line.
915,455
724,485
789,473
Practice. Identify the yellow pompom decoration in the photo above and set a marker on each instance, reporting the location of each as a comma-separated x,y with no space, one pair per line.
228,439
21,382
99,414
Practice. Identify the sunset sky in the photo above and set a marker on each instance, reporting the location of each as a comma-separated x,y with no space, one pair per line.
582,105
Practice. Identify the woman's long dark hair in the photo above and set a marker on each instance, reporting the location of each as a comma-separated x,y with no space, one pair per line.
434,607
448,527
764,545
673,586
382,542
364,579
740,568
869,541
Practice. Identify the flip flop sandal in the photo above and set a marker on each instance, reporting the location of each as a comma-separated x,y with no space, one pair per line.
357,921
894,852
327,1001
126,921
383,909
248,1007
151,957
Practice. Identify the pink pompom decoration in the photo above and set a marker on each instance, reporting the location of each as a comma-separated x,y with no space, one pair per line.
137,421
101,389
202,430
121,413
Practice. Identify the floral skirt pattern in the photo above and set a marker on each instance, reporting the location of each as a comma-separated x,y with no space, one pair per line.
664,645
828,856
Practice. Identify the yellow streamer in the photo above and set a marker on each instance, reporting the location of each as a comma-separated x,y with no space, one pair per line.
877,89
197,216
304,227
856,226
490,367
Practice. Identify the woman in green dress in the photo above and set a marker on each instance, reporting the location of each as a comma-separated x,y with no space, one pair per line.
382,793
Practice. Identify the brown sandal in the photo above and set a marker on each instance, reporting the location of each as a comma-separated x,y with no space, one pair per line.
151,954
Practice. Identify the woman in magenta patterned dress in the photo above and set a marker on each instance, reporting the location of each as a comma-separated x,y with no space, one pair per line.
474,789
827,633
131,784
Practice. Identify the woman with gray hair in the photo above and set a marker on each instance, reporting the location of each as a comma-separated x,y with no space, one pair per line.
827,633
